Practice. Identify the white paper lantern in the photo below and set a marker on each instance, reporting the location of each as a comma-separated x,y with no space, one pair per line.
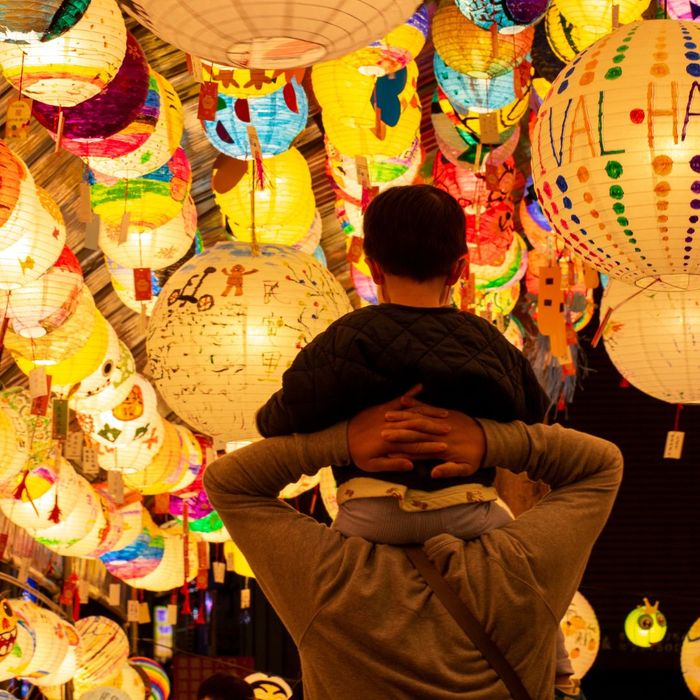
15,663
615,158
137,456
227,325
581,634
652,339
76,65
122,279
103,648
690,659
266,34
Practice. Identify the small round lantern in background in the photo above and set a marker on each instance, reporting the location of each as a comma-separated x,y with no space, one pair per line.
690,658
645,625
266,307
74,66
581,634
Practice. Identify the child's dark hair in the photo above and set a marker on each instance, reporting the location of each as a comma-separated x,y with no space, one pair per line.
223,686
415,231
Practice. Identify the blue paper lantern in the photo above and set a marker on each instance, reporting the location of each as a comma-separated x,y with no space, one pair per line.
278,118
511,16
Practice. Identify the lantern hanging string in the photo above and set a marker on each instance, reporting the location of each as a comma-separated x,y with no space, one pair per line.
253,239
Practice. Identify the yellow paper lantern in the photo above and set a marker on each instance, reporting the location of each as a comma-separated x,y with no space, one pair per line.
253,312
690,659
616,179
581,634
14,663
244,83
263,35
155,248
191,452
651,341
66,340
645,625
284,207
469,49
240,563
592,15
160,145
103,649
74,66
565,39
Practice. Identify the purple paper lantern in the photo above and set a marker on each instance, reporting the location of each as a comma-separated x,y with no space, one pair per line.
109,111
509,15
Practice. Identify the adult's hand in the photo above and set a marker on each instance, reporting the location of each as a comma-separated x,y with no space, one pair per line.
465,442
422,437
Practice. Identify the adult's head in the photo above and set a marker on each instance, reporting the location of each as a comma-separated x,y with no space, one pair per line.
415,231
223,686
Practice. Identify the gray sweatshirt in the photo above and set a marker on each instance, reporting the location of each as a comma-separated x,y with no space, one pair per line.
366,624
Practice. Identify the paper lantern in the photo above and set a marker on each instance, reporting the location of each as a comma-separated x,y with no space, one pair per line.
145,144
690,659
364,285
682,9
52,639
469,49
253,312
545,62
264,686
122,279
467,93
242,82
395,49
8,628
284,207
21,22
109,111
63,672
108,384
61,343
581,634
623,197
645,625
265,36
510,17
38,249
21,651
567,39
134,457
103,648
14,175
134,419
43,305
591,15
74,66
511,270
240,563
129,682
490,234
156,674
132,516
170,572
312,242
191,452
651,339
150,200
278,118
474,189
155,247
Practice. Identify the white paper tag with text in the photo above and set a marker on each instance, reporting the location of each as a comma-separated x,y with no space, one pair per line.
674,444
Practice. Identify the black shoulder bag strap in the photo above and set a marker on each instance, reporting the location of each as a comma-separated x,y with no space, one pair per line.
466,620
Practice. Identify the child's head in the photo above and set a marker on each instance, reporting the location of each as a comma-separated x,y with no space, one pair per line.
415,231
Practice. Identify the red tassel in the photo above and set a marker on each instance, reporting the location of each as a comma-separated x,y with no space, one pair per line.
186,607
561,405
366,197
22,486
55,516
624,384
76,605
259,172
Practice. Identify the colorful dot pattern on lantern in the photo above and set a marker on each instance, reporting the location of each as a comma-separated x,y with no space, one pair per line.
614,233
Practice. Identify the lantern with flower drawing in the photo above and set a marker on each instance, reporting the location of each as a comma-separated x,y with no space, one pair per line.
74,66
254,312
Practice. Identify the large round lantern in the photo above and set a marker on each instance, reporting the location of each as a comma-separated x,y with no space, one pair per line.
510,17
156,674
646,625
24,23
150,200
617,180
284,206
469,49
144,145
253,312
650,339
74,66
110,110
278,118
581,634
262,35
43,305
103,648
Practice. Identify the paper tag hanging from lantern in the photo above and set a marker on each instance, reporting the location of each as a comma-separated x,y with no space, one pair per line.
60,419
133,609
115,486
494,40
144,613
615,16
84,592
92,233
550,307
115,595
38,382
194,67
208,95
73,446
219,571
172,614
89,464
40,402
23,571
84,212
245,598
143,286
19,112
488,128
674,444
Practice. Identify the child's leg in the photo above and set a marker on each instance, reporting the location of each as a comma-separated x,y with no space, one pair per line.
382,520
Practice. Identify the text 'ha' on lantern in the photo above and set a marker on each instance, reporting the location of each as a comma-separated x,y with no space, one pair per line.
617,181
74,66
255,312
299,35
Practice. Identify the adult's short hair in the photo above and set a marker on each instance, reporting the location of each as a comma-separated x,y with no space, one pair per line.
415,231
223,686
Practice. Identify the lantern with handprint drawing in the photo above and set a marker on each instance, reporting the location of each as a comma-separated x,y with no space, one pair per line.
253,312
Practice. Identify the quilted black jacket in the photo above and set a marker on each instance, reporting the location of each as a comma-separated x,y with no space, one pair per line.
372,355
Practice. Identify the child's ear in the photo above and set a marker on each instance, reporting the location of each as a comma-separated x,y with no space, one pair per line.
456,271
376,270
